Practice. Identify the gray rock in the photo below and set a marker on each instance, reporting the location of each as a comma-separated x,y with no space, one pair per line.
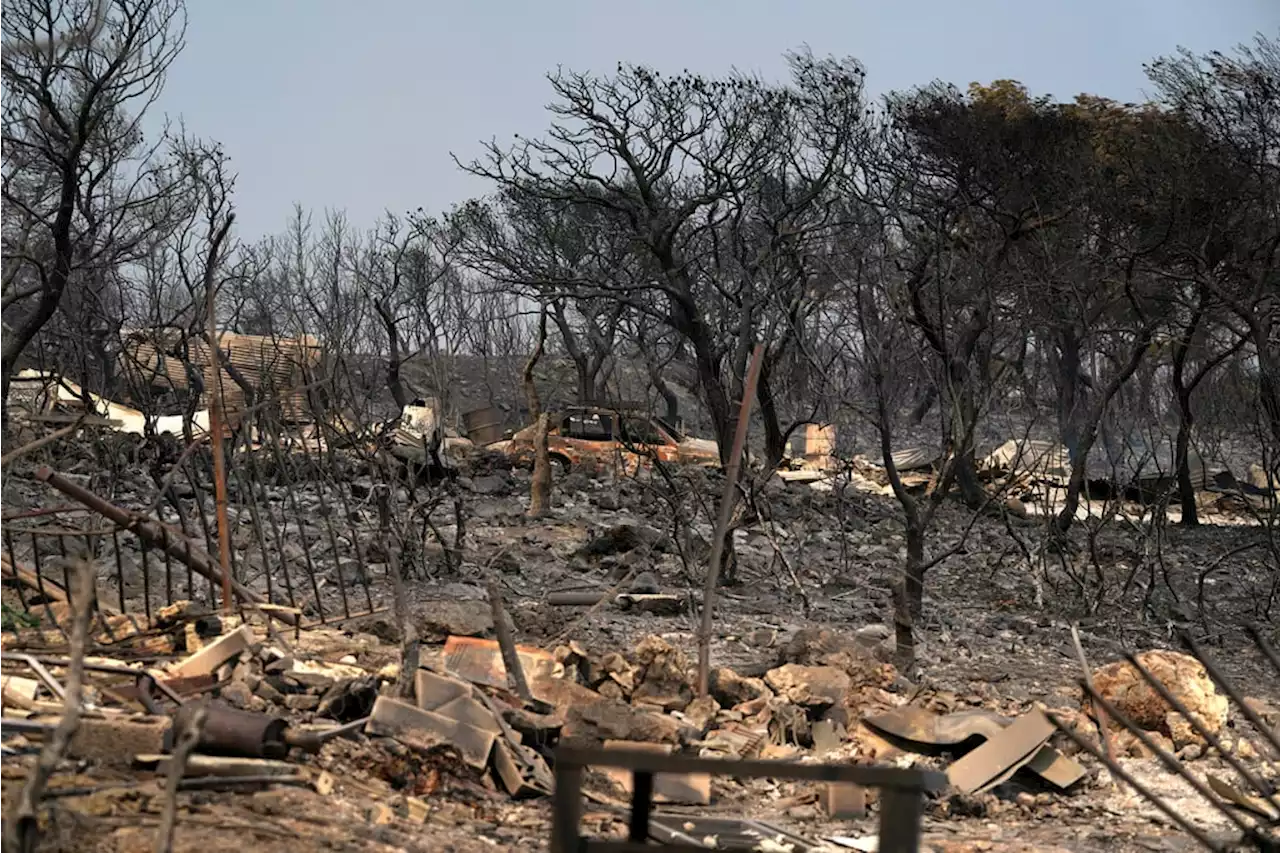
441,618
492,484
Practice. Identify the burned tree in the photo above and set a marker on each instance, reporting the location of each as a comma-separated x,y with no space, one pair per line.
679,163
970,181
659,350
872,328
405,275
1027,218
562,255
1119,292
1232,103
81,186
1193,207
540,487
1199,346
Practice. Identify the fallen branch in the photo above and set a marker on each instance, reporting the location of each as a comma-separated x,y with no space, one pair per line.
33,446
21,831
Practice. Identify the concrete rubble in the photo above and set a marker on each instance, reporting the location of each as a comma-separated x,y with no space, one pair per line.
298,707
320,720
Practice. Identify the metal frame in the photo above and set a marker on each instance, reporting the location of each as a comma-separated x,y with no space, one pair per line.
901,801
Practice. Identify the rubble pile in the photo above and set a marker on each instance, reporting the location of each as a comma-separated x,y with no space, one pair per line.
330,712
387,731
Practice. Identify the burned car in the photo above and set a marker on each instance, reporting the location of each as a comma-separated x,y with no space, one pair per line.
594,438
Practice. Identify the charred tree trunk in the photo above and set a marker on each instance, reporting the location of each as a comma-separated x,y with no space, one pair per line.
1067,371
671,403
670,399
775,438
908,598
591,363
99,348
925,403
1089,429
966,469
395,356
1183,389
586,390
1182,394
685,318
956,366
530,387
586,385
713,391
1182,447
908,587
19,336
540,488
592,381
971,491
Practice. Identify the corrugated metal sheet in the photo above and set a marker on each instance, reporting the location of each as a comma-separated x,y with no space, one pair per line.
915,458
1159,470
49,390
271,366
1149,465
1046,459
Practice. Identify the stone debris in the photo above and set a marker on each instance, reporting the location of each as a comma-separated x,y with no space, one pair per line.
1184,676
324,692
327,709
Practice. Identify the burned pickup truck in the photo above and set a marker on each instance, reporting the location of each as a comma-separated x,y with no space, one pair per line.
594,438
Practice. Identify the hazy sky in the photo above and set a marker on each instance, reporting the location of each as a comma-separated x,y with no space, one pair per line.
357,105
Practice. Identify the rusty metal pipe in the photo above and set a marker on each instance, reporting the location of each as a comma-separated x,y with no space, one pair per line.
230,731
176,546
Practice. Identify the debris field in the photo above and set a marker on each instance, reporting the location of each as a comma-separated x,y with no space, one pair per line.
330,715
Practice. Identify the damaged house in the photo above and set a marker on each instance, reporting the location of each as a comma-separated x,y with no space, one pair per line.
165,366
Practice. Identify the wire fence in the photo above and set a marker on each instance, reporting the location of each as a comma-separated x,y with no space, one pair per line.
305,489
